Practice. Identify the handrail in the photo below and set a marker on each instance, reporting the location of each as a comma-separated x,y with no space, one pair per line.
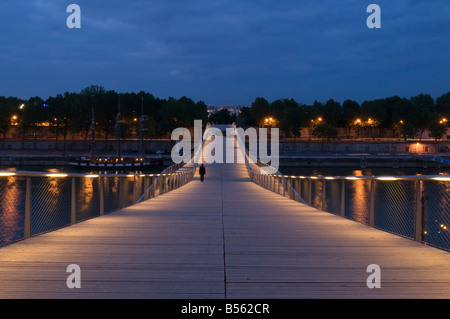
423,217
45,201
251,172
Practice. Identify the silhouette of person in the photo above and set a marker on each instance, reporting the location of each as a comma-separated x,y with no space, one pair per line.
202,171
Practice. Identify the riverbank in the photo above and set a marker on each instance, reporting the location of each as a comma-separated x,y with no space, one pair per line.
364,160
18,159
287,159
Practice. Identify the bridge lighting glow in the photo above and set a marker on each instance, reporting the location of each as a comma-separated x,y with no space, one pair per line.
387,178
4,174
91,176
352,178
329,178
442,179
56,175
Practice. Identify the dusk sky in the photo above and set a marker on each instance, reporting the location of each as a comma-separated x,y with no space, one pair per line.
227,52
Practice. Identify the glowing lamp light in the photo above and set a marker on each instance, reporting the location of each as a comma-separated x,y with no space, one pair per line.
387,178
91,176
442,179
351,178
329,178
56,175
5,174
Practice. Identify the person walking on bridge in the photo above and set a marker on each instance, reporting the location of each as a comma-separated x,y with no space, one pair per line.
202,171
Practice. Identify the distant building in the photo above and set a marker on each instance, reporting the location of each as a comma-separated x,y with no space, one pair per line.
233,109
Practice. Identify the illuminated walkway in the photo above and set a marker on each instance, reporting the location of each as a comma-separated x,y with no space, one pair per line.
224,238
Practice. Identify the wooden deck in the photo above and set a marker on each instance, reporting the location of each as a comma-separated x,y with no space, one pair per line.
224,238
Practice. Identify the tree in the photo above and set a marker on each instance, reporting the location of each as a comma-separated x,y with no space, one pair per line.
222,117
260,110
424,107
436,128
9,107
409,131
33,113
245,117
56,116
351,111
332,113
324,131
443,104
291,121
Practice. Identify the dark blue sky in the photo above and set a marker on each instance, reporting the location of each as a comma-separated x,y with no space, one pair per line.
227,51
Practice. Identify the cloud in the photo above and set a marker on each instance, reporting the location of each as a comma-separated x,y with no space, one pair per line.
226,50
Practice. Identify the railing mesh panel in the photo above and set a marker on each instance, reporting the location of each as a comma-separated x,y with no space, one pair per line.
51,204
12,209
436,213
357,200
333,196
111,194
87,192
394,207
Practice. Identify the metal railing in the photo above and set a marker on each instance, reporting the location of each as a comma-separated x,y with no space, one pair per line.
33,203
415,207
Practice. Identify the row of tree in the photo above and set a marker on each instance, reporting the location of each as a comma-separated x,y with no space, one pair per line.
73,113
408,118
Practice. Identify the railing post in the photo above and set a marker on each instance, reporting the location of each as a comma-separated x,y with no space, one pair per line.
120,192
299,188
419,213
290,190
146,185
343,198
309,191
324,199
278,182
154,182
73,217
102,196
135,198
372,203
27,225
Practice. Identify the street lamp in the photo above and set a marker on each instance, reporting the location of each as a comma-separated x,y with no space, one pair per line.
21,106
